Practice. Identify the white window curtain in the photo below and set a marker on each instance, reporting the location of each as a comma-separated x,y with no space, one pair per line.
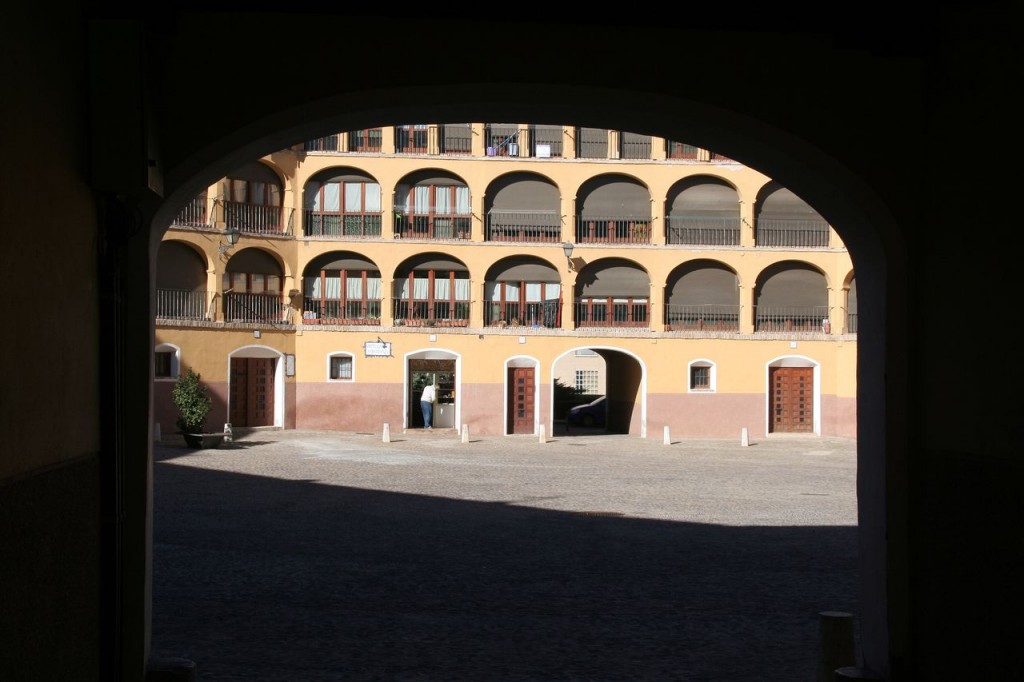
492,291
442,289
534,292
373,290
402,289
239,191
354,197
331,197
354,288
372,197
257,284
312,287
332,287
462,206
311,200
552,291
421,200
443,201
259,194
462,290
420,290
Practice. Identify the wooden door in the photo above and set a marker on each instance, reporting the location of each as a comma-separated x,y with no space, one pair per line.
521,399
252,391
792,400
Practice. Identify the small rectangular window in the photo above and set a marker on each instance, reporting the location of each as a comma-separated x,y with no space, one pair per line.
586,380
341,367
700,378
163,365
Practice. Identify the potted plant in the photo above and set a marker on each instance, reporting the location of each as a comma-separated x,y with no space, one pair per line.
191,398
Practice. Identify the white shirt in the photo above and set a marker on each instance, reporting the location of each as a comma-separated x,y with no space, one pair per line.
428,394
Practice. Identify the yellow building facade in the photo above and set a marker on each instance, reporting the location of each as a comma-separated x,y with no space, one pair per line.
322,286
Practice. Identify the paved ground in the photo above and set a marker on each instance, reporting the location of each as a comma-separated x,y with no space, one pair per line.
309,556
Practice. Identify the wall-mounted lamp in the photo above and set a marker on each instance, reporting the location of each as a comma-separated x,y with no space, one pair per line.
567,248
232,234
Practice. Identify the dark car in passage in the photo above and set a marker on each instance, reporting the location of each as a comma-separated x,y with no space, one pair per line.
590,414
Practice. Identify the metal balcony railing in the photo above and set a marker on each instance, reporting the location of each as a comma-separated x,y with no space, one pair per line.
255,218
245,307
366,140
330,143
335,311
795,319
613,230
433,226
432,313
182,304
680,150
546,314
320,224
705,317
792,233
193,214
545,142
612,312
703,231
503,140
633,146
524,226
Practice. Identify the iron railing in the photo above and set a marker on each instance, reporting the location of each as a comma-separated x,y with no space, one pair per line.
546,314
792,319
703,231
255,218
431,313
193,214
613,230
524,226
633,146
245,307
182,304
792,233
366,140
336,311
320,224
503,140
612,312
545,141
704,317
433,226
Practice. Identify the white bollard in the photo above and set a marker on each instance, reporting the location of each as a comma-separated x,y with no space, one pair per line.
387,432
465,433
228,433
668,437
744,441
543,436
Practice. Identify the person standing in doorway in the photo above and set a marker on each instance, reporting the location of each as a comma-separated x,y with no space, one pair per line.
427,405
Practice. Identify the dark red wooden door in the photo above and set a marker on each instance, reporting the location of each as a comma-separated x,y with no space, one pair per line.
520,399
252,391
792,400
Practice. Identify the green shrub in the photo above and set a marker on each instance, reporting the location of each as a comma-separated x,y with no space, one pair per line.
193,402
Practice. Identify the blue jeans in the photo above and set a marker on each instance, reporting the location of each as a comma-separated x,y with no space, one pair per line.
428,413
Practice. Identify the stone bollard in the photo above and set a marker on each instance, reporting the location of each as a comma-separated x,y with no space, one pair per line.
543,436
744,440
228,433
387,432
837,648
668,437
156,432
465,433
